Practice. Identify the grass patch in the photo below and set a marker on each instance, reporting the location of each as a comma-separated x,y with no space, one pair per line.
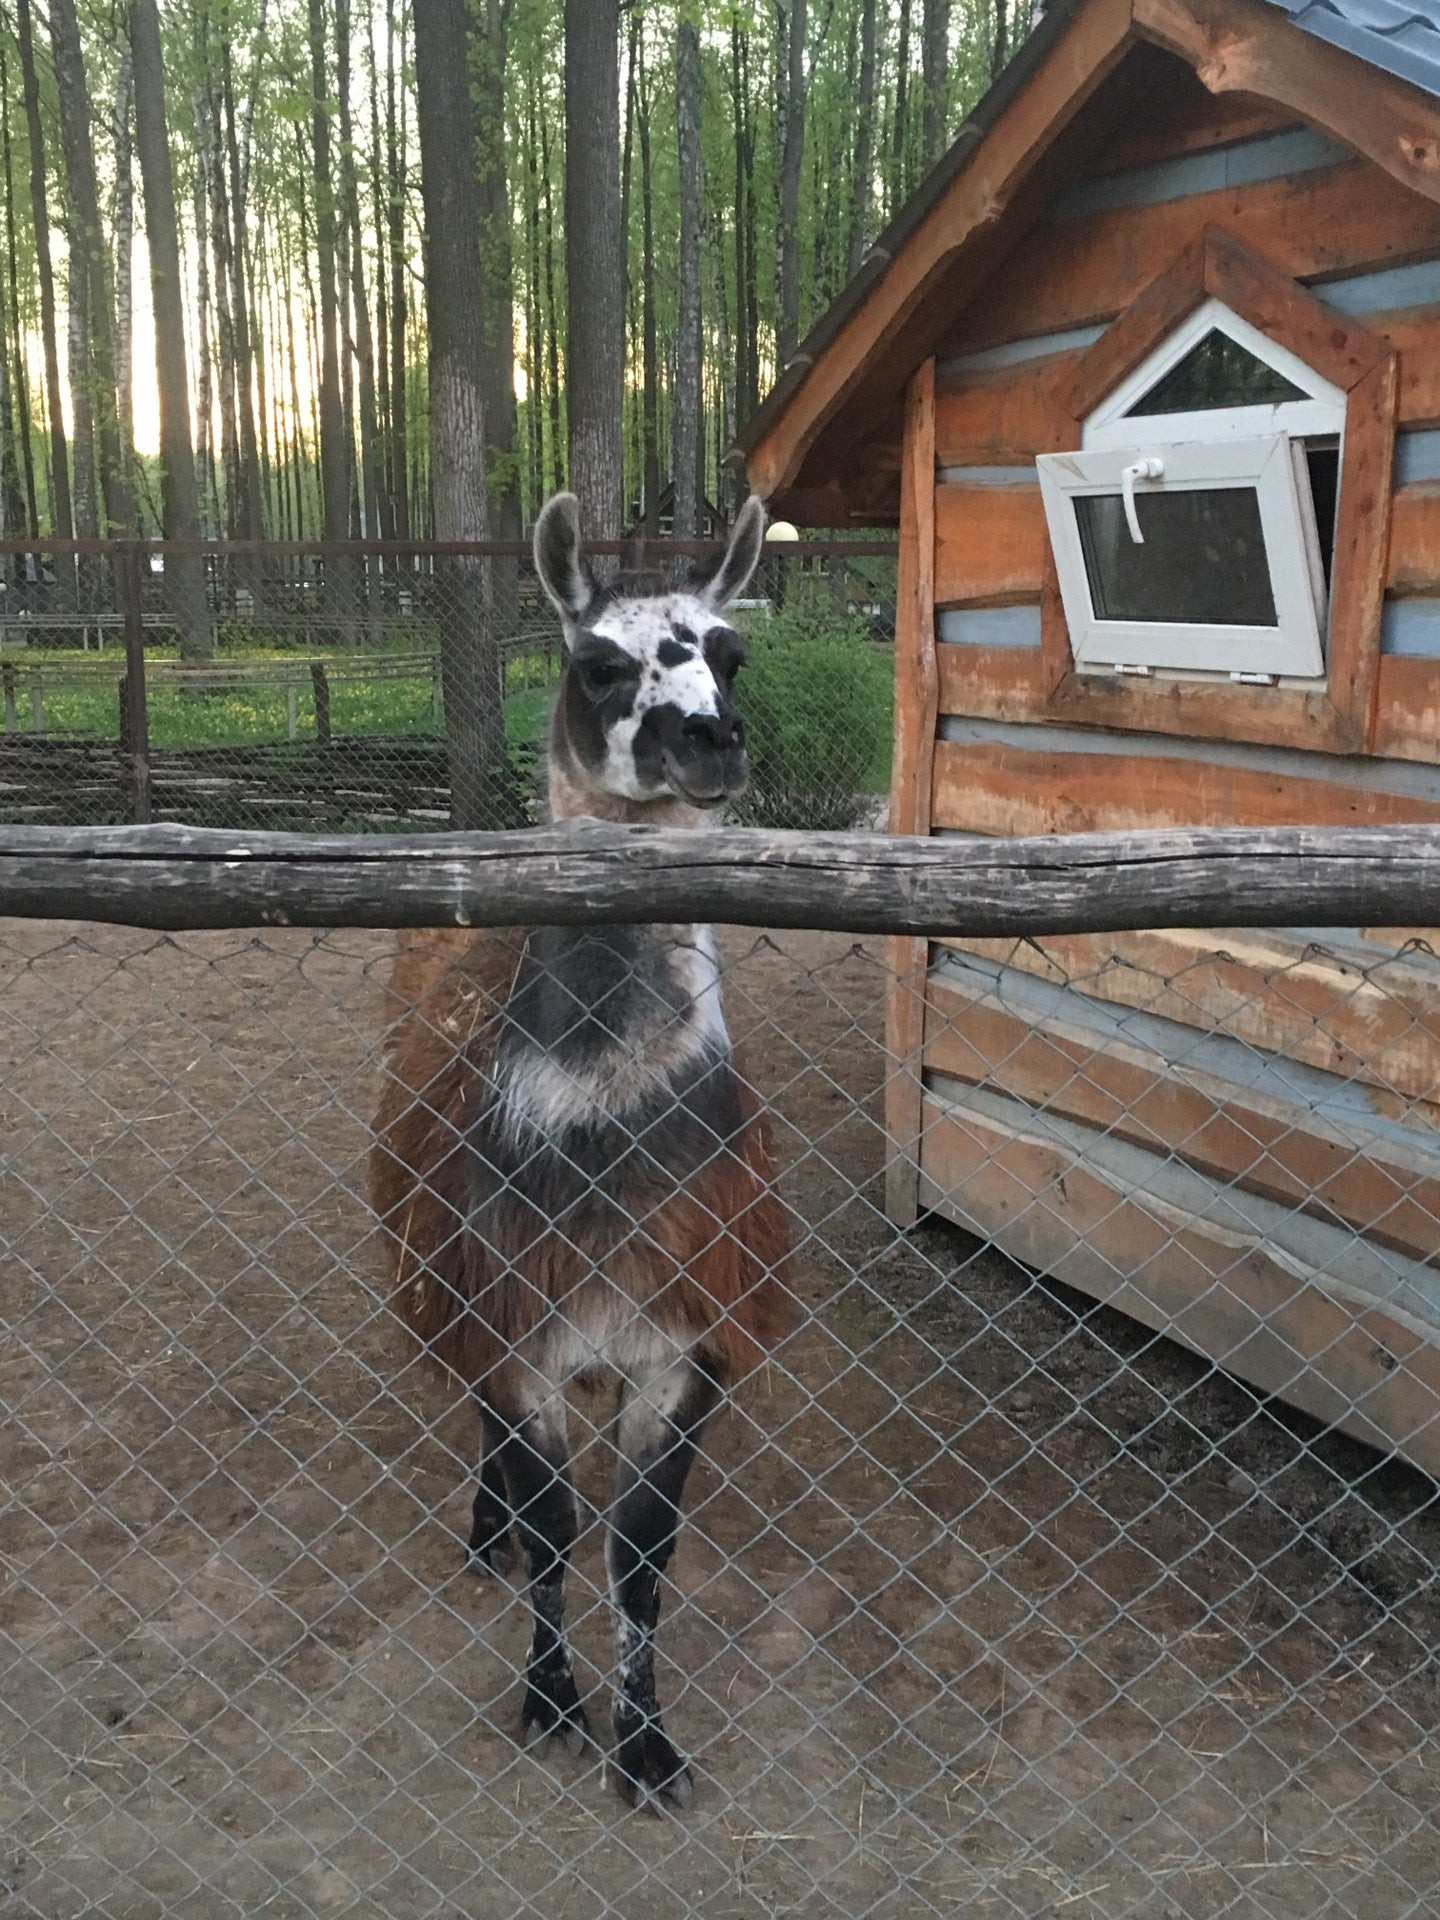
258,714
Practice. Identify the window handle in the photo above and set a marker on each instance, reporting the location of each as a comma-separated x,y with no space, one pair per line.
1150,468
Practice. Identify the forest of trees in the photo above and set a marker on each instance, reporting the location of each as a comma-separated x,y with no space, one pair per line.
306,268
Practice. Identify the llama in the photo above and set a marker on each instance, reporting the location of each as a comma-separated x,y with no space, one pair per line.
569,1165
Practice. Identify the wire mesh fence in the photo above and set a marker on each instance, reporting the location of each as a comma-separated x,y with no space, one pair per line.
374,687
989,1598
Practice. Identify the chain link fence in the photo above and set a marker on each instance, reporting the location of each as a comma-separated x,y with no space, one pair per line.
989,1598
377,687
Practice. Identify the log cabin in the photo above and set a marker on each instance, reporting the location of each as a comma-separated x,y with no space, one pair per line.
1148,373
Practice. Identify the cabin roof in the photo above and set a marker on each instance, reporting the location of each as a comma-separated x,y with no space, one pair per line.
1392,37
1398,36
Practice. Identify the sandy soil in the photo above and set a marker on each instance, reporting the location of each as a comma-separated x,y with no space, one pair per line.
990,1602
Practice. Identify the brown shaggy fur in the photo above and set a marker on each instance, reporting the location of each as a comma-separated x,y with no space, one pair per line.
704,1262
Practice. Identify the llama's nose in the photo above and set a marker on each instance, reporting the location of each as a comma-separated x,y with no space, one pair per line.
718,730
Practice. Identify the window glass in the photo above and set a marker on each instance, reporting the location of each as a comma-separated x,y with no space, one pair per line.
1202,560
1217,372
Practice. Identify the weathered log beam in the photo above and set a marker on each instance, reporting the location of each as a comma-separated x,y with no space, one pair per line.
175,877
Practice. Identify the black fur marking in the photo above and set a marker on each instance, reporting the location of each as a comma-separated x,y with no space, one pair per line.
589,706
489,1546
657,1454
532,1458
724,654
674,653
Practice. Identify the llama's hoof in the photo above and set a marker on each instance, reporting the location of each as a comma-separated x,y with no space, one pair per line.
493,1559
648,1772
552,1711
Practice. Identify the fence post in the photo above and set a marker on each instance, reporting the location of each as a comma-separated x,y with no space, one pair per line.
134,716
320,680
7,682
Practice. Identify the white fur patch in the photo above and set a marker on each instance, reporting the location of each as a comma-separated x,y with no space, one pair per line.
538,1096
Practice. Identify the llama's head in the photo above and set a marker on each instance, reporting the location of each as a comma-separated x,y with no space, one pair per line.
645,715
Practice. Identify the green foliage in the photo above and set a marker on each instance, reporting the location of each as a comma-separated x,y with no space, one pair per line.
817,698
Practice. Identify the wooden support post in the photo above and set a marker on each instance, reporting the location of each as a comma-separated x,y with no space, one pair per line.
916,708
320,681
292,726
37,700
7,680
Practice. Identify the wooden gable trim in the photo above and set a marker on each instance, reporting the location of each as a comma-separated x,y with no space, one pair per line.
1237,46
1217,266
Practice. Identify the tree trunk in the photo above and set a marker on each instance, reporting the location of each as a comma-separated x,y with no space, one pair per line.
1000,51
650,398
685,463
399,300
935,77
62,516
82,418
184,578
334,466
124,262
792,154
497,273
534,311
204,372
87,241
557,458
359,299
595,324
249,515
14,343
746,373
900,127
12,501
861,193
207,137
455,300
380,372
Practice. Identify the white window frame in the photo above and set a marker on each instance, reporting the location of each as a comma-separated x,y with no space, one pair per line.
1261,446
1291,648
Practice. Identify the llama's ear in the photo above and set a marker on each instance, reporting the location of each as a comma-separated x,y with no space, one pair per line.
740,558
560,559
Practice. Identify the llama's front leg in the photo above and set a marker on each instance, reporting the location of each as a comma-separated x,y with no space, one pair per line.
659,1432
488,1551
532,1452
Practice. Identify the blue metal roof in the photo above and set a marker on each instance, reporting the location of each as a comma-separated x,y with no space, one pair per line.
1402,36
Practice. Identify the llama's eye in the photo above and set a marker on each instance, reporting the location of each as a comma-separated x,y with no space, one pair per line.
601,673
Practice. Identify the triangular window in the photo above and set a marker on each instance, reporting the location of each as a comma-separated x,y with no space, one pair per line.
1217,372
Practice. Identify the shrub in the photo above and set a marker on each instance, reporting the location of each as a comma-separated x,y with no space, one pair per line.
817,698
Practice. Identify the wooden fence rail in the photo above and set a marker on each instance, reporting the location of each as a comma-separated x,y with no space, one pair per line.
174,877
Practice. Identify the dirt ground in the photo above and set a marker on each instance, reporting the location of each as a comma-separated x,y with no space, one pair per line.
990,1603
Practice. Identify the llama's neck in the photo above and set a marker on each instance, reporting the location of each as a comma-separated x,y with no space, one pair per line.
615,1006
605,1022
573,798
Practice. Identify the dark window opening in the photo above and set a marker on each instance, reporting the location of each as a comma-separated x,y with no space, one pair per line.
1324,467
1217,372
